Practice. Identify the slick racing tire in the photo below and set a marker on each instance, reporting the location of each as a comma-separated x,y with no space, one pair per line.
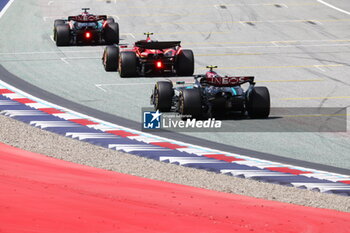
110,20
190,102
59,22
127,64
110,58
258,103
185,63
111,33
62,36
163,96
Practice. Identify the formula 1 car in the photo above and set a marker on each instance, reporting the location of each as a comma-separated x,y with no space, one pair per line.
86,28
212,94
149,57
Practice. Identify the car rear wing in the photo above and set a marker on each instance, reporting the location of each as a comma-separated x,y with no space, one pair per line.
229,81
157,44
88,18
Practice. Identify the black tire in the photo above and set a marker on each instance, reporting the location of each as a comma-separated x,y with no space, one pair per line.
258,103
128,64
59,22
62,36
110,58
111,33
110,20
163,96
185,63
191,102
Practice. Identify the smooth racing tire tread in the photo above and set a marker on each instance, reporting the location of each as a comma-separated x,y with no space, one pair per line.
62,36
258,103
191,102
164,92
128,64
185,63
111,58
111,33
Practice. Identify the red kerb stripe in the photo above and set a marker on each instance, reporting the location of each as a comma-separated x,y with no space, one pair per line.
51,110
223,157
287,170
83,121
25,100
121,133
168,145
5,91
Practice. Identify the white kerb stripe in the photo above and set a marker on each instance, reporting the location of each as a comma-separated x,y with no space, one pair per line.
186,160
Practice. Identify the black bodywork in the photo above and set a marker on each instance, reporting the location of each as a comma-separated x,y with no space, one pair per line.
211,95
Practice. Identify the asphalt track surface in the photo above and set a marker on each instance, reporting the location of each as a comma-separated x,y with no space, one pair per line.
48,189
299,49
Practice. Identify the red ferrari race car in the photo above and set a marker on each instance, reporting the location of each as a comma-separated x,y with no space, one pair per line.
86,28
149,57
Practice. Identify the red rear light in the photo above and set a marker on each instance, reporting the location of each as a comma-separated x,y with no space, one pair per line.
159,64
104,24
87,35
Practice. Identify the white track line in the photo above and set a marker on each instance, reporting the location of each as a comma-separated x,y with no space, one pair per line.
274,45
99,87
334,7
51,37
321,69
5,8
52,52
64,59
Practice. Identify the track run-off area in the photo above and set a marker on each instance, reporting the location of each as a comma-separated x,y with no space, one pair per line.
42,194
298,49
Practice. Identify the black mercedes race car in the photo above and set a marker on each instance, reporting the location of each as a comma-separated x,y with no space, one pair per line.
212,94
149,57
86,28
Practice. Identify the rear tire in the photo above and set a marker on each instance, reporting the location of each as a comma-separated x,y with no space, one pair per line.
163,96
111,33
185,63
258,103
110,58
58,22
62,36
191,102
128,64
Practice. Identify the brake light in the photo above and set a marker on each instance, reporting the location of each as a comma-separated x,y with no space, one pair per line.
104,24
159,64
87,35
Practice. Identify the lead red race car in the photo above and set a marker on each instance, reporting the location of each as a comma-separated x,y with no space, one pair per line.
86,28
149,58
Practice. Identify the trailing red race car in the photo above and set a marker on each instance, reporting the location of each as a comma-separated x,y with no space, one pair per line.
149,57
86,28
